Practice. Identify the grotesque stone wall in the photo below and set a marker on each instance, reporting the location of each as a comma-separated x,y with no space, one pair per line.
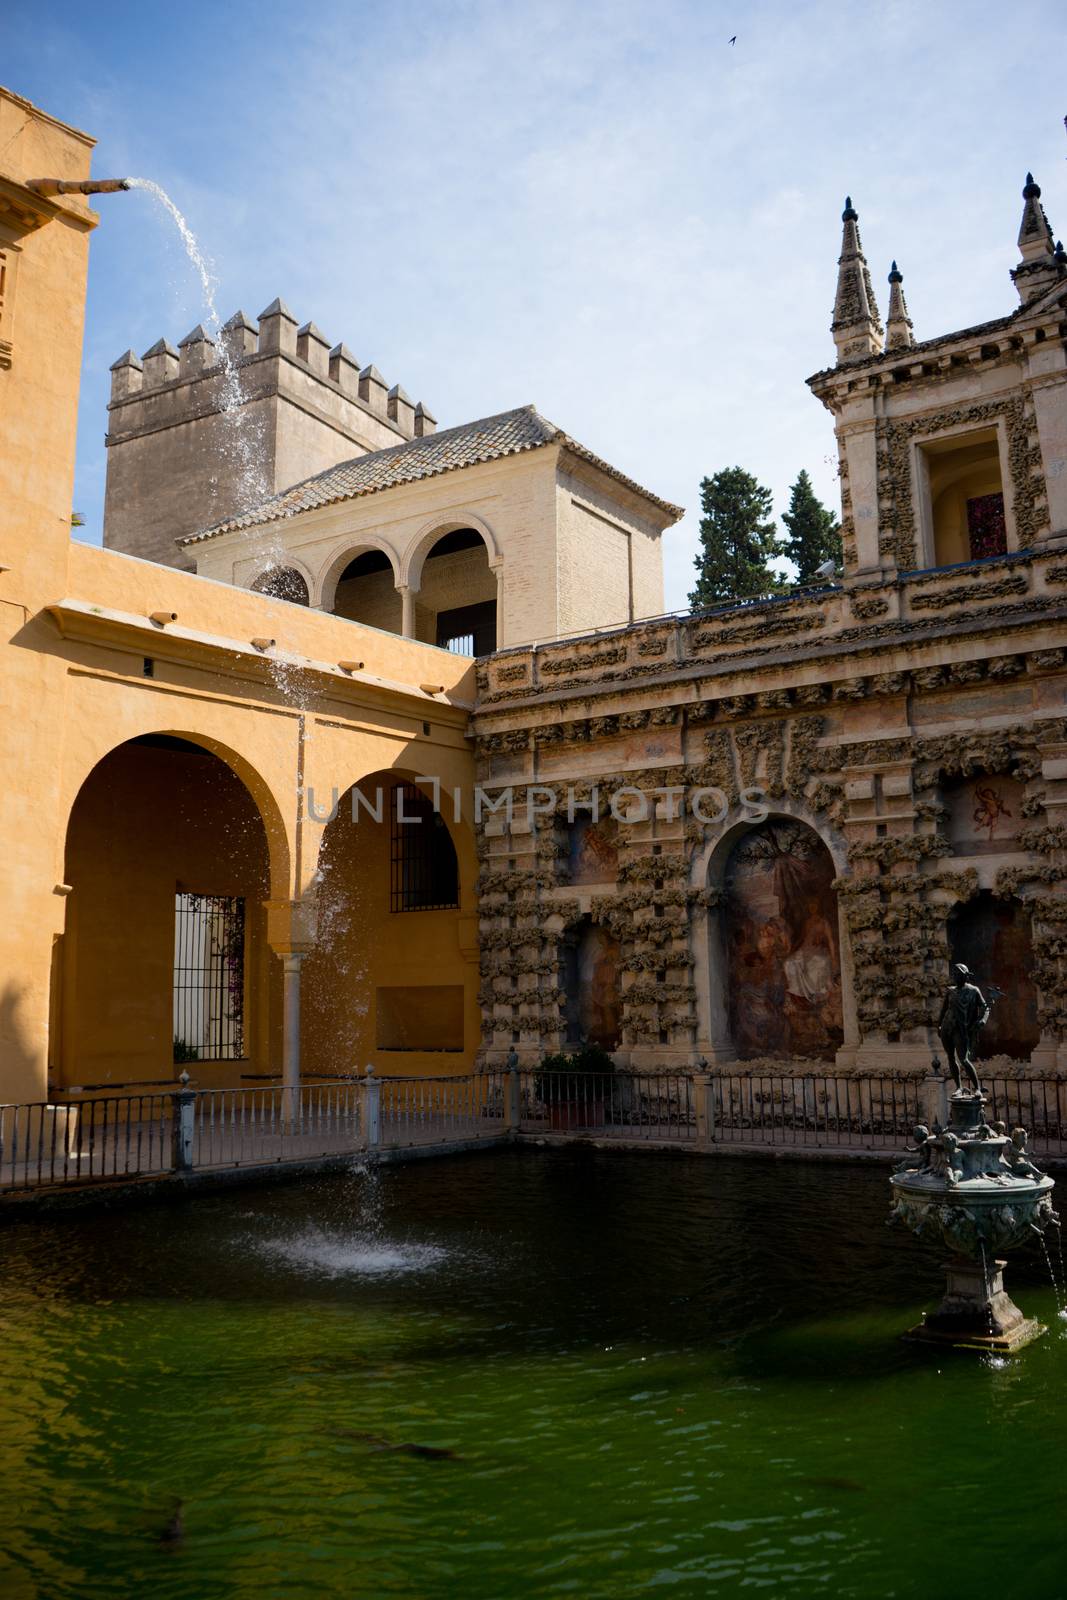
853,712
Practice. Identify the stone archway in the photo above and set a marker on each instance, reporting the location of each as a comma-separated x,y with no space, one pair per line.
780,943
451,574
391,980
359,583
284,583
165,961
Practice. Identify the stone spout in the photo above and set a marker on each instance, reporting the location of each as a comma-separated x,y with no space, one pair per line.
77,185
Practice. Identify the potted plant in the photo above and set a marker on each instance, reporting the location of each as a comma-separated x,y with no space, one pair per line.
573,1087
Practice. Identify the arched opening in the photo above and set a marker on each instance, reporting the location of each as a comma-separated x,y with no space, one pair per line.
993,938
591,985
780,944
366,592
388,981
164,961
456,603
283,583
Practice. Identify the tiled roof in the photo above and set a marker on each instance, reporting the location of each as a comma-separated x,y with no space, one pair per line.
487,440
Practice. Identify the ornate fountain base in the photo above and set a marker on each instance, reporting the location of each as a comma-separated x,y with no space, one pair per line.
977,1313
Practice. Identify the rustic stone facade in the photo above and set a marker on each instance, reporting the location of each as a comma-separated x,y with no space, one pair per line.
853,727
858,710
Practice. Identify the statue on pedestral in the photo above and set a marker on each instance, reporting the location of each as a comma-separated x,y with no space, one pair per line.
963,1011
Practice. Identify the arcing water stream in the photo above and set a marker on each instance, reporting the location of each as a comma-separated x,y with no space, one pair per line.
243,444
242,441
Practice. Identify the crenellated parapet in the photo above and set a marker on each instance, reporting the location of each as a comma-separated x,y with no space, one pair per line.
244,344
259,405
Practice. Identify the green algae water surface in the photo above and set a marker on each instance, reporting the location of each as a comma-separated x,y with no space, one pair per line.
509,1374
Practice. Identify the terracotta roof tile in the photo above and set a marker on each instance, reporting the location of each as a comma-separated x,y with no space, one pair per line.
489,439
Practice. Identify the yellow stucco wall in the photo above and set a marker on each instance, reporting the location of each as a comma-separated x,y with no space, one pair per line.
84,668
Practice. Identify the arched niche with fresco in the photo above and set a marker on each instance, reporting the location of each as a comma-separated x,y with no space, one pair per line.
591,958
781,944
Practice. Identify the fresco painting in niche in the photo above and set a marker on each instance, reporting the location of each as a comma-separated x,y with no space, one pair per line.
784,961
984,815
993,938
594,1007
593,849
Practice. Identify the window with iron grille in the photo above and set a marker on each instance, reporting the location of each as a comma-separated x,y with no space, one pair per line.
424,873
985,526
209,977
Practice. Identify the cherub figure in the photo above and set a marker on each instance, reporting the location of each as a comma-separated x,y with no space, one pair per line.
945,1160
916,1158
1017,1158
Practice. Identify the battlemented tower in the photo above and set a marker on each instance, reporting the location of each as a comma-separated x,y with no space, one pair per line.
204,432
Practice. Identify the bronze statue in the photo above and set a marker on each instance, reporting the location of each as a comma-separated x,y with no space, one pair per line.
1017,1158
916,1157
946,1158
963,1011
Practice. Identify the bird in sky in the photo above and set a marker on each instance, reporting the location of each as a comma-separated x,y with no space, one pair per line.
734,41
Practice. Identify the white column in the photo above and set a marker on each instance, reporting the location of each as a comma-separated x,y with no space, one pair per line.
291,964
407,610
497,569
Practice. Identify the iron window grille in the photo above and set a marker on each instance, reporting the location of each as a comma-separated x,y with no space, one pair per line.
462,644
985,526
424,873
209,977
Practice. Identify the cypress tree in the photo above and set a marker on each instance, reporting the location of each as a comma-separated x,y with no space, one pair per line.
814,536
737,535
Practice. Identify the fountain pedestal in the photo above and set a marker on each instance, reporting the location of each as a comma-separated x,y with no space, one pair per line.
977,1312
975,1190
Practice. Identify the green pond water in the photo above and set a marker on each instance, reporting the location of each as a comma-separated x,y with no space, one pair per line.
658,1375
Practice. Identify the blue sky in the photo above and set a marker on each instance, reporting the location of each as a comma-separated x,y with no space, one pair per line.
605,209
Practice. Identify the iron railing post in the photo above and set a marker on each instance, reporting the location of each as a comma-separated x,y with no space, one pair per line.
372,1115
933,1096
704,1095
512,1101
183,1117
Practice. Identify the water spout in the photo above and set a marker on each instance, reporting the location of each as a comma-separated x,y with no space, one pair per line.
78,185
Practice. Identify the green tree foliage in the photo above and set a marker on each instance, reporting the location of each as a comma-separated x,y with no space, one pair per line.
737,535
813,533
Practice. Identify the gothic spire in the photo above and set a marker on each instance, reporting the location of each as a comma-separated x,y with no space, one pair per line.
898,331
1037,268
857,327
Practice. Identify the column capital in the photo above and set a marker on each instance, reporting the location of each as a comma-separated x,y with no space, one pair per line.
292,925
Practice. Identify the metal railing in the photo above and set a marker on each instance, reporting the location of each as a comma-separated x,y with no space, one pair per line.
1037,1104
815,1110
639,1106
123,1136
150,1135
133,1136
250,1127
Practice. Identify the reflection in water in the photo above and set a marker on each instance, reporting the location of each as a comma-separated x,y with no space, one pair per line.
645,1372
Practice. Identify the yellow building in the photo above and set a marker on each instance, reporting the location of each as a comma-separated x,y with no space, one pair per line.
167,743
241,822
